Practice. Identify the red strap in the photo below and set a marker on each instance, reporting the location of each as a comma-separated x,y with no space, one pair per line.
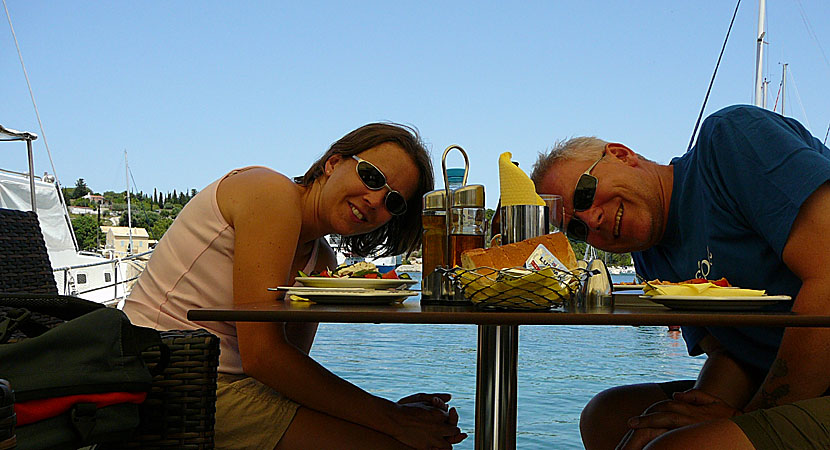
36,410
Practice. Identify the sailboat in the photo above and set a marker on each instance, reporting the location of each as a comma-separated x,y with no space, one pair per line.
79,273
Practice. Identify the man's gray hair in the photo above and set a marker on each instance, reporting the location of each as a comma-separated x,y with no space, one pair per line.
583,148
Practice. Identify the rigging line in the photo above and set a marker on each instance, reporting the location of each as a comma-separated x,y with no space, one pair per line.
64,203
132,178
31,93
810,31
765,75
826,134
143,210
146,216
795,85
780,85
712,81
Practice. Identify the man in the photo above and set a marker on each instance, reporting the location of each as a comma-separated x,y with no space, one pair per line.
748,202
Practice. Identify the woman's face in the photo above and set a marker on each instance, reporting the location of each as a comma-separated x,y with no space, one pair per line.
352,207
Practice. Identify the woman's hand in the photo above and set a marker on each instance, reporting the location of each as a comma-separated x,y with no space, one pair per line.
686,408
425,421
443,398
439,401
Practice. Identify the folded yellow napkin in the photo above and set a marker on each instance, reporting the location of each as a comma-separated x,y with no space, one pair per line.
699,289
297,299
516,187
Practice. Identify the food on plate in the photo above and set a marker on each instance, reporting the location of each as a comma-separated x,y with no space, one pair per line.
722,282
362,269
516,254
698,287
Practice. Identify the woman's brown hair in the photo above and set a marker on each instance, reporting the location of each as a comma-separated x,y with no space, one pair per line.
402,234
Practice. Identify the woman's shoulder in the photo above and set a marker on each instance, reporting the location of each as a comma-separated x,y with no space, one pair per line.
257,187
326,257
258,178
255,172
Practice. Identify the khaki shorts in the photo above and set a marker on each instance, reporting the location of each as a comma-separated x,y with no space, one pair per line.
249,414
799,425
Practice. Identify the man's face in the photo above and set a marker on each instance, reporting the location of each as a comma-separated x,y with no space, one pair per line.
627,211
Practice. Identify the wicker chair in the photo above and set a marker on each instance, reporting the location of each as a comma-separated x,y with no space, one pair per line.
8,439
180,408
24,263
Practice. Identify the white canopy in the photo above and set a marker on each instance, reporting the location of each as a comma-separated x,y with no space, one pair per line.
15,194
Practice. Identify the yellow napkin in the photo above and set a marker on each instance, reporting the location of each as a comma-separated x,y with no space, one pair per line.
297,299
699,289
516,187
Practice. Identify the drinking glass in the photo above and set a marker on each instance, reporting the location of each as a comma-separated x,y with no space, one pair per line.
555,210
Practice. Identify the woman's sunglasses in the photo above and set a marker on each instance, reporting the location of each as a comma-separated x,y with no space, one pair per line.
586,189
375,180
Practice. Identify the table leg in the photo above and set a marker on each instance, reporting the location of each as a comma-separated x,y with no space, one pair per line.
498,349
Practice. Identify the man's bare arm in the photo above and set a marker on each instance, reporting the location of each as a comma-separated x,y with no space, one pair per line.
800,368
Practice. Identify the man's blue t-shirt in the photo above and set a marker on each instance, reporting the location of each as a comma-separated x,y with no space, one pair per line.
735,196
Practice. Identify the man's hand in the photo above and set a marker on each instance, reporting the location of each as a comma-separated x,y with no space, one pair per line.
686,408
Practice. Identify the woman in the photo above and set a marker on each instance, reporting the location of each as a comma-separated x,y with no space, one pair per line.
255,228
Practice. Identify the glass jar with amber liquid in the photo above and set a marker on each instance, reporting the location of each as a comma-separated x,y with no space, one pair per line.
467,221
434,242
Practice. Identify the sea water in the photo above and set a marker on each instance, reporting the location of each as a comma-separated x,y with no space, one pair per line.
560,367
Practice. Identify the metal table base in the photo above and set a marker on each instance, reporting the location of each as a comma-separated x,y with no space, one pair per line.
498,350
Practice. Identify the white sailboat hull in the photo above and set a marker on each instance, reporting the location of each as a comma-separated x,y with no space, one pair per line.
86,275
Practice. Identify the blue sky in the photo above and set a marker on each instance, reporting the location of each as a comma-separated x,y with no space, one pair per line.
193,89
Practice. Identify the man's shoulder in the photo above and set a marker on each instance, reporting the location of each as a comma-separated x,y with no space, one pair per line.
740,108
738,113
743,122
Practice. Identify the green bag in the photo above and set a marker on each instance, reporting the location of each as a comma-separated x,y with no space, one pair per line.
95,355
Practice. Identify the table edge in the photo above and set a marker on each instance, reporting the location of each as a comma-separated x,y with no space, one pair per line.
511,318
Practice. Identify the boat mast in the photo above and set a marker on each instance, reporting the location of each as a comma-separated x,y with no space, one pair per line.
129,214
759,54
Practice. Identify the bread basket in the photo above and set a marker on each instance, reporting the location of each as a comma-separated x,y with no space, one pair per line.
516,288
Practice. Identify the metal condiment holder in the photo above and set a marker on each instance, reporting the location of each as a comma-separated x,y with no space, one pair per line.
448,292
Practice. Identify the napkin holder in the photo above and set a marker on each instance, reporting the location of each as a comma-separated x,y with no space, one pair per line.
595,291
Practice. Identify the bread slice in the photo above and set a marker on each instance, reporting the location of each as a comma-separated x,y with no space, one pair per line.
515,255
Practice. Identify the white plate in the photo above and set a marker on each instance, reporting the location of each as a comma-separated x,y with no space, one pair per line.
633,298
319,289
348,295
368,283
628,287
709,303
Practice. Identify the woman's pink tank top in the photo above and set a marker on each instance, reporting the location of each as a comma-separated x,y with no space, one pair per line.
192,267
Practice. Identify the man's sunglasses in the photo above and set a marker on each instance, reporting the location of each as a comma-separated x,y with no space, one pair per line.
375,180
586,189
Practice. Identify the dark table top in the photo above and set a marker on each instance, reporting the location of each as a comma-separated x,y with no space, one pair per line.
412,311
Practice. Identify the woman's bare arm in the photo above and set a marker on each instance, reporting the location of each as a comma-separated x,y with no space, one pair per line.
255,202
